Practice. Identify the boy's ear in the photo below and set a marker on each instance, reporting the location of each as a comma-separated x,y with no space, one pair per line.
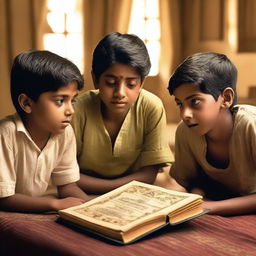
25,103
228,97
95,81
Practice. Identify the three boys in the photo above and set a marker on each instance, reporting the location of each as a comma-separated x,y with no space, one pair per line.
215,143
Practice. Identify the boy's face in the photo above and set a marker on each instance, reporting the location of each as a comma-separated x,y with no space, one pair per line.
199,111
119,87
53,111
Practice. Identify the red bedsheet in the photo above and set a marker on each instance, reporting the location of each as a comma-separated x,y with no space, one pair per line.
40,234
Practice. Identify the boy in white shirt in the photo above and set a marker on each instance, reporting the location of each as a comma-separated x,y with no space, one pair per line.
38,148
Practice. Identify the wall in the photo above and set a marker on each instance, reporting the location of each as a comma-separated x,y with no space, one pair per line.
5,99
205,26
219,33
17,33
211,25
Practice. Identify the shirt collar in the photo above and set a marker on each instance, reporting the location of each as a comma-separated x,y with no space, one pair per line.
20,125
21,128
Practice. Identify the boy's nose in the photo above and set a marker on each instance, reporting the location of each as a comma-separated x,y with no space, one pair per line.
69,110
120,91
186,114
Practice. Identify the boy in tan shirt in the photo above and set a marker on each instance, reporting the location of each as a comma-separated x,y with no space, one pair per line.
215,147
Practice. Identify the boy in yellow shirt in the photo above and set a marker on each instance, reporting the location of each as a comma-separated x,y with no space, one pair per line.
37,144
119,126
215,146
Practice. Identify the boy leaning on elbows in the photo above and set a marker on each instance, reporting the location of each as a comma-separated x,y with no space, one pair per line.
215,151
119,122
38,149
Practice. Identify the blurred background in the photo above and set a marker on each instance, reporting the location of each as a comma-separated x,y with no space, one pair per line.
171,29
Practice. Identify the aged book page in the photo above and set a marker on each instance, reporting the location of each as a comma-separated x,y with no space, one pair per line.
131,205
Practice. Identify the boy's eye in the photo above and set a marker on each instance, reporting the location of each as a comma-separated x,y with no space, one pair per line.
131,85
111,82
59,102
195,102
179,104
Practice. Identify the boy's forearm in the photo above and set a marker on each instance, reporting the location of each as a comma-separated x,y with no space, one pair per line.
232,206
99,185
72,190
24,203
146,174
93,185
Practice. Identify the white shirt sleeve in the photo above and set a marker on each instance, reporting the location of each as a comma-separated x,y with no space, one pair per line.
67,170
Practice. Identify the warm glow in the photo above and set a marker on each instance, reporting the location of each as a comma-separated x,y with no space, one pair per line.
74,22
74,49
232,25
145,24
55,43
152,29
137,21
154,52
64,6
65,20
152,8
56,22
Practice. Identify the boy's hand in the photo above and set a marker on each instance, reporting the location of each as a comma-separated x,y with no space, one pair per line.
211,205
59,204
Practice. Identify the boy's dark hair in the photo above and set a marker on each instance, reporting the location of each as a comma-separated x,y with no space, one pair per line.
126,49
35,72
211,72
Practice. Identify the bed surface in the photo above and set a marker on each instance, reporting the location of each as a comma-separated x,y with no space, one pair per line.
40,234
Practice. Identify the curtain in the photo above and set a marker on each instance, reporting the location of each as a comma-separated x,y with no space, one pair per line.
171,48
100,18
22,23
20,27
170,37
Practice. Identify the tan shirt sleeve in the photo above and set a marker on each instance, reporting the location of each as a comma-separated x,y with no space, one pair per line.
185,166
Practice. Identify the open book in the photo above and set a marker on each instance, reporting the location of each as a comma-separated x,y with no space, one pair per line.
134,210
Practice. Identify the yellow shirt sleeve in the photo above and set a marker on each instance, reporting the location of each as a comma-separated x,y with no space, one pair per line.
155,148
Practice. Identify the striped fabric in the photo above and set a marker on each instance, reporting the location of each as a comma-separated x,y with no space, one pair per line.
40,234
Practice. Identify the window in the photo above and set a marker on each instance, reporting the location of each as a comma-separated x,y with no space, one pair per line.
145,23
65,37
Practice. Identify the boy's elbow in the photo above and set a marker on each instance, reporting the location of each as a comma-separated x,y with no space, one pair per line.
66,190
